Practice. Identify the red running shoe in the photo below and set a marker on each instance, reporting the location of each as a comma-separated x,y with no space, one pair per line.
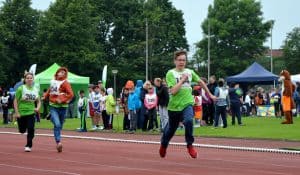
162,151
192,151
59,147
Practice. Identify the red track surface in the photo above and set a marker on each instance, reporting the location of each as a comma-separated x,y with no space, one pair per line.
82,156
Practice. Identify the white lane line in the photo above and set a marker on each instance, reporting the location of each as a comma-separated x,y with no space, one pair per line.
37,169
239,148
155,171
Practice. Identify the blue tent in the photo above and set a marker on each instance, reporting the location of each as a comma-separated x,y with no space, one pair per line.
254,74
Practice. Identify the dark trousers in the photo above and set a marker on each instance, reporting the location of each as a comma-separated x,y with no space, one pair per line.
208,113
126,122
150,116
175,117
71,110
27,123
140,117
220,110
236,112
105,118
5,115
45,110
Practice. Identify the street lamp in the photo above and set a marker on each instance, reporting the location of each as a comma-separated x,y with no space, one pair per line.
114,72
208,50
147,46
271,53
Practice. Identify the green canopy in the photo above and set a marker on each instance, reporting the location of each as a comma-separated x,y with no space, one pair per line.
47,75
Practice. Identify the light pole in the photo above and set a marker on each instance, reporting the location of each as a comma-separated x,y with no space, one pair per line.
114,72
147,43
147,49
271,52
208,50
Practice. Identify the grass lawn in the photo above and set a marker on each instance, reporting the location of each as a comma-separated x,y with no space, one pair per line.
255,127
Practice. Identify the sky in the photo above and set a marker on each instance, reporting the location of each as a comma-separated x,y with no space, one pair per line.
286,14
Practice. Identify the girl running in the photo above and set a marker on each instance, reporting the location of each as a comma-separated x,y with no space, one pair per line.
24,104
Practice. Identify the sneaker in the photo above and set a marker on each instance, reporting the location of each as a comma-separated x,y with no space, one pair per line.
196,125
27,149
100,128
192,151
59,147
162,151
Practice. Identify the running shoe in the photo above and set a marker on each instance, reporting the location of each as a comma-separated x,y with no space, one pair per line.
27,149
59,147
192,151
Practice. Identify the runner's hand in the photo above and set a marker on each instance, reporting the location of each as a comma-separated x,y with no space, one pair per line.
17,115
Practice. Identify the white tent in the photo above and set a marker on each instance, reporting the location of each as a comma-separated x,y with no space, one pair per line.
295,78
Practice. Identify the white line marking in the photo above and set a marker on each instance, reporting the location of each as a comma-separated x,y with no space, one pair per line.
255,149
37,169
103,165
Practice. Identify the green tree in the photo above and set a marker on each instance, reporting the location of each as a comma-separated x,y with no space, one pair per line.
166,35
18,30
66,35
237,34
291,51
121,30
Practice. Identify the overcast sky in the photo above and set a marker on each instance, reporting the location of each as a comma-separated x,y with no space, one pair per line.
286,14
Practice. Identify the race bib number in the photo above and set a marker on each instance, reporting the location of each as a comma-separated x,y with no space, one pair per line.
54,87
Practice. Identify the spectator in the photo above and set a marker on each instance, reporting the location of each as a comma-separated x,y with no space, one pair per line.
82,108
235,95
162,92
4,100
150,103
221,92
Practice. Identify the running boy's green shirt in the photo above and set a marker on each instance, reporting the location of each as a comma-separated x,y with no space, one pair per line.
26,96
183,97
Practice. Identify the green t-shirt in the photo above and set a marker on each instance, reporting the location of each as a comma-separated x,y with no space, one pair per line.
26,96
183,97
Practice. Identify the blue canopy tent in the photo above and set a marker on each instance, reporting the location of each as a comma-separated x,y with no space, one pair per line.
254,74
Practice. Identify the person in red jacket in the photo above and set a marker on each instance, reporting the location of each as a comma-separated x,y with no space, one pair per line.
60,93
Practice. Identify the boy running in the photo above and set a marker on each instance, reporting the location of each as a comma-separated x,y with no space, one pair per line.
180,107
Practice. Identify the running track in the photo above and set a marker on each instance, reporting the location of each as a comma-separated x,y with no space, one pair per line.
83,156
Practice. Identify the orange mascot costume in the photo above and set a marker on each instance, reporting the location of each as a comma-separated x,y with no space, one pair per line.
288,103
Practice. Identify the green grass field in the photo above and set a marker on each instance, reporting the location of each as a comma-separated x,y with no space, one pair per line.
255,128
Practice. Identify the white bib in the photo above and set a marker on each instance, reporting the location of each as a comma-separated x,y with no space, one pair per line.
151,98
80,102
54,87
96,97
223,93
29,95
4,99
178,76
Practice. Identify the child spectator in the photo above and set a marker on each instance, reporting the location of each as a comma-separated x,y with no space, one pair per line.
82,108
110,105
197,106
4,103
103,108
133,101
96,108
124,104
150,103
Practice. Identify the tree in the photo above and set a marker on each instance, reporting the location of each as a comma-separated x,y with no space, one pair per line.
122,31
18,30
66,35
291,51
166,35
237,34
